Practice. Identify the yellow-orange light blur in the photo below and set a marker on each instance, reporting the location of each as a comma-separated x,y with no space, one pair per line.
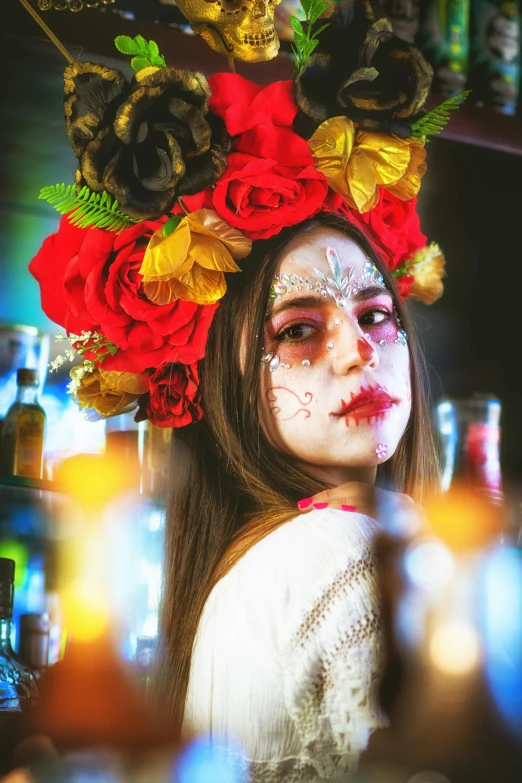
86,616
455,649
92,480
463,519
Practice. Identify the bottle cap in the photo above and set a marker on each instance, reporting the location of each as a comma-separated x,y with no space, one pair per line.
33,622
26,377
7,571
33,645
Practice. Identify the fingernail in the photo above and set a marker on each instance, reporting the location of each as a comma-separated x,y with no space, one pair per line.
304,503
347,508
320,505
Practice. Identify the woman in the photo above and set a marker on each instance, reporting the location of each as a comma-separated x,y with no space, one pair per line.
213,207
271,621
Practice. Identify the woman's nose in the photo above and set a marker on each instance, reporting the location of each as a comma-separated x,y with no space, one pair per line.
351,349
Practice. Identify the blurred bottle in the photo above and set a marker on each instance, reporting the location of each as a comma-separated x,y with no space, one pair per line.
23,430
145,654
124,444
444,40
33,646
156,460
20,346
18,686
470,437
405,18
495,54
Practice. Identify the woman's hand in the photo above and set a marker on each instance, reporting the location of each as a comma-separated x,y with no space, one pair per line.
397,512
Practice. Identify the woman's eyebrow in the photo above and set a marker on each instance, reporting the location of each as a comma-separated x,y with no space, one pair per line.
297,302
369,293
321,301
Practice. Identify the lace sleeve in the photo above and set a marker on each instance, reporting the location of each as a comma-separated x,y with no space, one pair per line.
332,665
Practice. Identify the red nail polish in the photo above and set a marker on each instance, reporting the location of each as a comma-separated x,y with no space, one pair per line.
347,508
320,505
304,503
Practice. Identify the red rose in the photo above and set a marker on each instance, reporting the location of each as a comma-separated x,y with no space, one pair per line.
404,283
96,286
245,106
259,193
52,263
260,197
397,225
173,399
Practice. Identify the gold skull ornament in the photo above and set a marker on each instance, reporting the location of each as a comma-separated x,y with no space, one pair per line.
243,29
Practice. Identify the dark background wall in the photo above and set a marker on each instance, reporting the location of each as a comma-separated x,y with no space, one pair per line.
470,204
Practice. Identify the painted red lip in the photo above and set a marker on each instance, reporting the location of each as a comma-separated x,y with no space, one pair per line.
370,401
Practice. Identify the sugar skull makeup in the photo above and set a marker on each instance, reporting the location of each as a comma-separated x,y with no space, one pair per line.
335,388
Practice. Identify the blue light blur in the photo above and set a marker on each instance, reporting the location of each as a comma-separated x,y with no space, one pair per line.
199,762
502,632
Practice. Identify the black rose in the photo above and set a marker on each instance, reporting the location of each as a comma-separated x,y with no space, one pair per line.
147,141
362,71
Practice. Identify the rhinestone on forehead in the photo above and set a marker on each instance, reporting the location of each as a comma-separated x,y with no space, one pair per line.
339,288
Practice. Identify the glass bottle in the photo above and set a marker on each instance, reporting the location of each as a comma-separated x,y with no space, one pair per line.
470,438
18,686
24,429
124,444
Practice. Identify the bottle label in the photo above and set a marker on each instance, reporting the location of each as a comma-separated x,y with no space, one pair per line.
482,456
28,458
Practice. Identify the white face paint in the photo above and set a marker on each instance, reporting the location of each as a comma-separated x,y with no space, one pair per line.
335,378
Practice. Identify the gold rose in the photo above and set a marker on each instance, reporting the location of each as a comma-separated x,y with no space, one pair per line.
427,269
356,163
187,258
108,392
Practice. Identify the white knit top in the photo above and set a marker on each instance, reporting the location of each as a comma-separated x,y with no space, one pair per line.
288,653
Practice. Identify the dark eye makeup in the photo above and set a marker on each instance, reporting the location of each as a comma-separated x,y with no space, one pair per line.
300,330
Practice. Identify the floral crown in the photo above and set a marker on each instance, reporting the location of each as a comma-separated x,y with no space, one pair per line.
177,176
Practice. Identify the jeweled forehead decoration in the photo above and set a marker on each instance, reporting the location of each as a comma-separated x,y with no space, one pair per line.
339,288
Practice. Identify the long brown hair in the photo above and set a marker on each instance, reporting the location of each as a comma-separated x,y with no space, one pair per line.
228,486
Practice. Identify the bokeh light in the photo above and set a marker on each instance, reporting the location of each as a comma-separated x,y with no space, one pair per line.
455,649
463,519
92,480
429,564
502,631
199,762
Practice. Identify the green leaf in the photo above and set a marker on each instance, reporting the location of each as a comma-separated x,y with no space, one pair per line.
317,7
153,49
139,63
403,270
158,61
87,209
435,121
305,38
320,30
297,27
142,44
125,44
171,224
311,46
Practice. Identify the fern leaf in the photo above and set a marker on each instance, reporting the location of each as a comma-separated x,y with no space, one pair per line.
435,121
87,209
